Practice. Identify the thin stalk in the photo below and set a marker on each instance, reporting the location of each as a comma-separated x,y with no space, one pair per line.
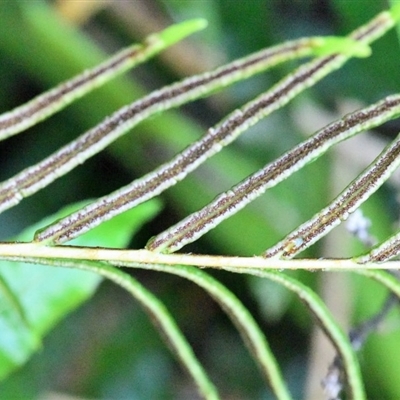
333,381
230,202
48,103
248,328
34,178
14,251
240,316
158,314
346,203
327,323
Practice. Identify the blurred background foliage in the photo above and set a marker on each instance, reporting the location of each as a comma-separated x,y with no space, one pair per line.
108,348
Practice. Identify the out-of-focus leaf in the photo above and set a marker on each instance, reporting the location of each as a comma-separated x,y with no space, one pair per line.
209,10
34,298
377,76
382,349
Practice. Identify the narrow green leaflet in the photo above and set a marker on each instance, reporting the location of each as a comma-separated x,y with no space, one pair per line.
211,143
275,172
382,347
65,93
196,224
251,333
326,322
383,252
34,298
36,177
248,328
158,313
338,210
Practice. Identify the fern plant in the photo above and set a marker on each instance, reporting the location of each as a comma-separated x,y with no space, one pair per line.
92,236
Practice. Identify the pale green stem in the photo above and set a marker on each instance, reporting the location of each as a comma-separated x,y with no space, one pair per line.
112,255
327,323
158,313
64,94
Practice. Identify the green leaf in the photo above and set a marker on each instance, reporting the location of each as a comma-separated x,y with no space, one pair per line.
344,45
248,328
383,346
159,315
34,298
326,321
177,32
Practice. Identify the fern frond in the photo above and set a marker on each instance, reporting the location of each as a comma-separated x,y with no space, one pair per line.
227,204
215,139
328,54
38,176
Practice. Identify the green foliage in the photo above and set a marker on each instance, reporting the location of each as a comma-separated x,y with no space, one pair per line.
35,298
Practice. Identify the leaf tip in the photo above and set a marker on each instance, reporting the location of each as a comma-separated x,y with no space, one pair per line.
343,45
177,32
